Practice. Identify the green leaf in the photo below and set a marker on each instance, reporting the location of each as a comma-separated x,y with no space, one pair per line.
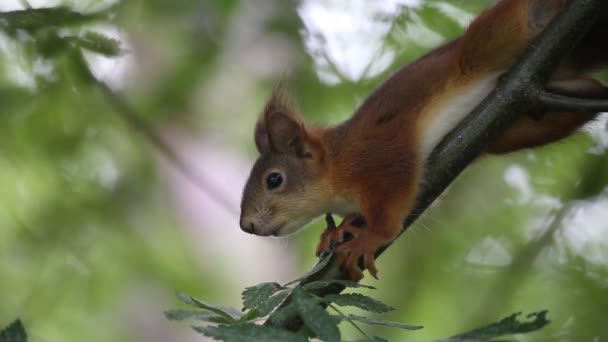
185,298
380,322
372,339
318,267
230,314
315,317
266,306
282,314
247,332
324,283
50,44
37,18
182,315
507,326
255,295
358,300
99,43
15,332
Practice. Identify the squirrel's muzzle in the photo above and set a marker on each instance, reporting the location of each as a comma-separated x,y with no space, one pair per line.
248,226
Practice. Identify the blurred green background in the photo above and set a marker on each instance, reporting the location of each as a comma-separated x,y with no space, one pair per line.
98,229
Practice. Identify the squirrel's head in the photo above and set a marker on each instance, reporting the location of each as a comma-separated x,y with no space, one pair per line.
285,189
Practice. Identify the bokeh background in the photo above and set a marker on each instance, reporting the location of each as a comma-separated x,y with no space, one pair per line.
98,229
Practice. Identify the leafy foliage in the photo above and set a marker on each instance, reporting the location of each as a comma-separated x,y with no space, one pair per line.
383,322
34,19
267,306
226,324
260,300
358,300
15,332
346,283
98,43
372,339
183,315
315,317
249,332
255,295
227,315
48,28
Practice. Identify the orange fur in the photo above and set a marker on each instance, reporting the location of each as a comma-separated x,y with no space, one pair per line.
373,162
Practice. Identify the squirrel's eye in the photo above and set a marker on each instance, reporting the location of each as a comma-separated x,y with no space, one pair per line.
274,180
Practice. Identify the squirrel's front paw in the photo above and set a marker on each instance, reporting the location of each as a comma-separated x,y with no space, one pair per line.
333,236
364,245
360,242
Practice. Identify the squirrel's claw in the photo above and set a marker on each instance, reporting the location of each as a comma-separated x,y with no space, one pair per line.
333,236
329,239
364,245
361,243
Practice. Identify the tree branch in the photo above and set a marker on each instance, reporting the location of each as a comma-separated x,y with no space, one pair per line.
555,101
517,93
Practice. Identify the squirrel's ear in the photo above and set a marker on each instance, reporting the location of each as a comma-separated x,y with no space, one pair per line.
261,136
286,133
280,130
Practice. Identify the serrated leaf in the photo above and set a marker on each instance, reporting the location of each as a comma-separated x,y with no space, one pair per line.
315,317
507,326
230,314
266,307
255,295
182,315
358,300
324,283
247,332
15,332
380,322
282,314
318,267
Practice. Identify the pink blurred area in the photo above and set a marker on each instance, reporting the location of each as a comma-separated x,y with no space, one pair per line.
213,232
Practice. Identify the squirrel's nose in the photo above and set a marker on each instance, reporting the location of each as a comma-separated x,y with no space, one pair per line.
247,226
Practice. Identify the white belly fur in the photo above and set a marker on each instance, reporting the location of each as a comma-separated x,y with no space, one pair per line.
452,111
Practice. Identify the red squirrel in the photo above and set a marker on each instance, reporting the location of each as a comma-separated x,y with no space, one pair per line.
371,164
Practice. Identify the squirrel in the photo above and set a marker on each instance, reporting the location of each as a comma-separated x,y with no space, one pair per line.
370,165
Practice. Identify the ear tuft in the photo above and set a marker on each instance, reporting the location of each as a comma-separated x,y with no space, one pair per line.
279,102
276,103
279,129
